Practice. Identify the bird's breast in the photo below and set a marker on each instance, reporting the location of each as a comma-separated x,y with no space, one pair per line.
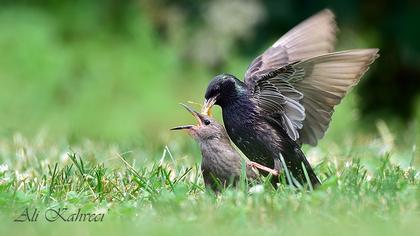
249,132
239,120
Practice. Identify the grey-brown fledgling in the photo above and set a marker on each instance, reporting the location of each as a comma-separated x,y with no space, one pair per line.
221,164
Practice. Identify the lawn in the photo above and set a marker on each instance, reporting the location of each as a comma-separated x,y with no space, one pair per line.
162,192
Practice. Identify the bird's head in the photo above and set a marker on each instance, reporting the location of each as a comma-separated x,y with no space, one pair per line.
206,129
220,89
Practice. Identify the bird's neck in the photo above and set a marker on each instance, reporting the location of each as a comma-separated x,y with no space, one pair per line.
234,95
241,104
221,145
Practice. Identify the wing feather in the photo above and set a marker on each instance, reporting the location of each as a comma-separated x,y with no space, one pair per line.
304,94
279,100
312,37
299,80
327,80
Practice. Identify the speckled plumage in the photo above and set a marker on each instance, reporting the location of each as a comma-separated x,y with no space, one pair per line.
260,139
289,94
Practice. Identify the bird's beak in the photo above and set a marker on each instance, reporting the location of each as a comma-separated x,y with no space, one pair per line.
208,104
197,116
182,127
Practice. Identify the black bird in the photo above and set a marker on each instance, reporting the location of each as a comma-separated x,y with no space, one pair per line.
221,164
288,94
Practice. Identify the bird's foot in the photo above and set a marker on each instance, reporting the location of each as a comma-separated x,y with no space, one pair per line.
263,168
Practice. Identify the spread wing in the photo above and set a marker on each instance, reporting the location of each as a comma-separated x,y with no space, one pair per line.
280,101
313,37
302,95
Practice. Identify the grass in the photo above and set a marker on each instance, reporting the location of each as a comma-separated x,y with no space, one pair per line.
77,80
163,193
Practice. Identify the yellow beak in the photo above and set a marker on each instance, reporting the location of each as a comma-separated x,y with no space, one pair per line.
208,104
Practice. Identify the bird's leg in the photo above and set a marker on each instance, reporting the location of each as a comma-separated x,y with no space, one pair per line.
263,168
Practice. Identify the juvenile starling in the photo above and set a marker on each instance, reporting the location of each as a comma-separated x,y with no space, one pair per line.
288,94
221,164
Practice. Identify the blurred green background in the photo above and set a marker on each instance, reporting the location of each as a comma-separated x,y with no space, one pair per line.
116,70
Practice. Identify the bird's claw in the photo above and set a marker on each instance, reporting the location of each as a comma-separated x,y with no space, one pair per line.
263,168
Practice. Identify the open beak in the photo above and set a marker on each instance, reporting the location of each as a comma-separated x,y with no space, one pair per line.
208,104
197,116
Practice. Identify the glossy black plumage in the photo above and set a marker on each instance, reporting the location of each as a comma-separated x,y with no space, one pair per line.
288,94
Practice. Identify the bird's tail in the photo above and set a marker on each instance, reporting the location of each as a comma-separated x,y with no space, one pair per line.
297,170
302,173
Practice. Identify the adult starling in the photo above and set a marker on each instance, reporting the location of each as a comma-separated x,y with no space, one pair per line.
221,164
288,94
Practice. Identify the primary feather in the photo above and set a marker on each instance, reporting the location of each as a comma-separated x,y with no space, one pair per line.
312,37
303,94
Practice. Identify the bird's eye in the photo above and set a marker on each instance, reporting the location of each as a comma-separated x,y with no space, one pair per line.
206,122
